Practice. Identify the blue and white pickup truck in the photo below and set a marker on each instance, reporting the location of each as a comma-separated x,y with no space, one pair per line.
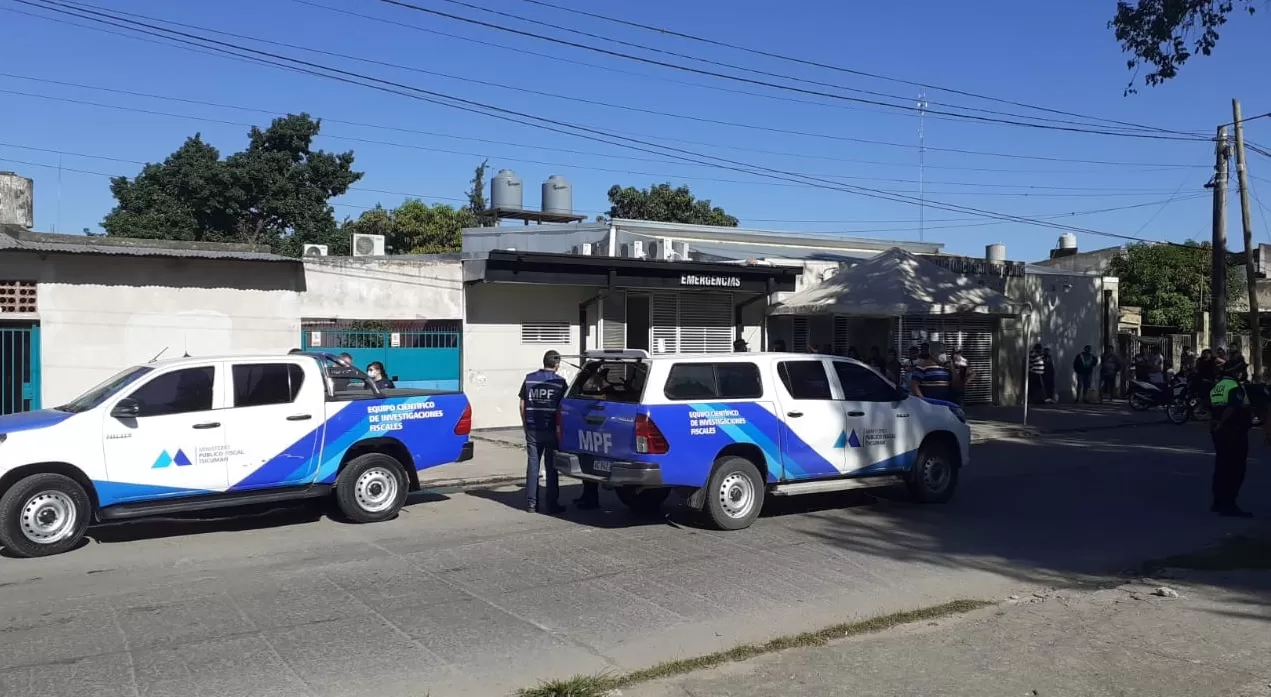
725,430
196,433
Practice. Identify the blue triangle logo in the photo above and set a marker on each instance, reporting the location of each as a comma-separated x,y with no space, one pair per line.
181,459
842,441
163,460
852,440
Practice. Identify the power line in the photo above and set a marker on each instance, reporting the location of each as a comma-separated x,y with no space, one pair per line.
407,194
575,31
773,85
607,104
379,84
851,71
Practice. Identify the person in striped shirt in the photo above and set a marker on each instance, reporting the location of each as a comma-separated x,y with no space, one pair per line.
930,378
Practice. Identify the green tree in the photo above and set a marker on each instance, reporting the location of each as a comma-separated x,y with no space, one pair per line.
415,227
665,204
1172,282
476,197
275,192
1163,34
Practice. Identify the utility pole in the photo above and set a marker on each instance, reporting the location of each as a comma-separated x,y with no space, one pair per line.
1218,285
1255,333
922,153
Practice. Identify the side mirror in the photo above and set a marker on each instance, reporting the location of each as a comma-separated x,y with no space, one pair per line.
126,408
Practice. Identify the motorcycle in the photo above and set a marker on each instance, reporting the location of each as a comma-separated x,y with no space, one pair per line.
1173,397
1190,402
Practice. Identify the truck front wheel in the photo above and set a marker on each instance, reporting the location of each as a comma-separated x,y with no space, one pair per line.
935,474
734,494
44,514
371,488
642,501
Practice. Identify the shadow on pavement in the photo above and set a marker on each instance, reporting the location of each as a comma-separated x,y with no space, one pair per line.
253,517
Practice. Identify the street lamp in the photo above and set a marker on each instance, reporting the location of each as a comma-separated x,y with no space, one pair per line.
1026,315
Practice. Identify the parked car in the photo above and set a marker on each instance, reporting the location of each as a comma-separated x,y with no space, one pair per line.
197,433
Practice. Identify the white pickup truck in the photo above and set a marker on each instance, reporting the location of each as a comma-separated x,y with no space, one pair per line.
195,433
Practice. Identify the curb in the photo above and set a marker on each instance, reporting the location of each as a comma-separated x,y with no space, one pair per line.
474,483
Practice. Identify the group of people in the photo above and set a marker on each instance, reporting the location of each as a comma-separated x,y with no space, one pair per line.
1085,366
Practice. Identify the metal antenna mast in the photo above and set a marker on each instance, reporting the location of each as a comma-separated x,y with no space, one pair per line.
922,152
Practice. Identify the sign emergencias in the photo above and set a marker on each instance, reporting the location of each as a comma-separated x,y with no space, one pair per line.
689,279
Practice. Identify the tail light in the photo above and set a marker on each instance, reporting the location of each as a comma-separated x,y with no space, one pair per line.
560,433
464,427
648,437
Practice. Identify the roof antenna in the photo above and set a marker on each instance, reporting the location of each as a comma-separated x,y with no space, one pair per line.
156,356
187,347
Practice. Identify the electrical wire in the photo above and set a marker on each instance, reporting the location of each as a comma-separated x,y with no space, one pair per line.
371,82
773,85
851,71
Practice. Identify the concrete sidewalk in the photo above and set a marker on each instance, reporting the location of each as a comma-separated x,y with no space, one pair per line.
1211,640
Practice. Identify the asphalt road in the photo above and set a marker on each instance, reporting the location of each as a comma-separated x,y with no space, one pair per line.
464,594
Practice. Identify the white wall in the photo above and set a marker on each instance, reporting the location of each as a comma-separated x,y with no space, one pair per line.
1068,313
494,359
384,289
101,313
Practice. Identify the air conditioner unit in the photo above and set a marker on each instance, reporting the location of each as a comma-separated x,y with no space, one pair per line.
585,249
679,251
637,249
368,245
315,250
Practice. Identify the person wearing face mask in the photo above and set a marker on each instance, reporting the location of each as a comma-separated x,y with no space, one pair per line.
379,375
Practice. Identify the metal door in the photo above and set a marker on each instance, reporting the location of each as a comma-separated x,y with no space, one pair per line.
19,368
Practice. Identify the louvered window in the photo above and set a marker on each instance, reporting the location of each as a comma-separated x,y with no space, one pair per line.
692,323
544,332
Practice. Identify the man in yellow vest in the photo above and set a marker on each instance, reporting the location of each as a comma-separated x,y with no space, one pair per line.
1230,422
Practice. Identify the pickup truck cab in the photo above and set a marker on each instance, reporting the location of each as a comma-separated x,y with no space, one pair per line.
196,433
726,430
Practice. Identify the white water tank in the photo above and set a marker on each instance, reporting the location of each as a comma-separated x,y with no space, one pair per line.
1067,241
17,200
558,196
995,252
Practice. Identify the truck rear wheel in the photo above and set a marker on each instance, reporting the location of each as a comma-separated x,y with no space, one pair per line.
44,514
734,494
371,488
935,473
642,501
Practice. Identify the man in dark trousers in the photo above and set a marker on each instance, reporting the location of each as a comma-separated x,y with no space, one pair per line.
540,395
1230,422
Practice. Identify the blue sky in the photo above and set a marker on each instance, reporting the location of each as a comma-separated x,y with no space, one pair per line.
1058,55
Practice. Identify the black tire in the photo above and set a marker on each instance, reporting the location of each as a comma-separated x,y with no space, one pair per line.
642,501
371,488
1139,403
34,506
935,474
734,494
1178,412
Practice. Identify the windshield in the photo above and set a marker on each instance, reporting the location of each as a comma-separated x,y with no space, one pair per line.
610,381
94,397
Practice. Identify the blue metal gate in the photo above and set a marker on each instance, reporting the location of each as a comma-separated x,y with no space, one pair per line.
19,368
428,358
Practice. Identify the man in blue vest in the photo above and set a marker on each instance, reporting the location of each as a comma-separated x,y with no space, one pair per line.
540,395
1230,422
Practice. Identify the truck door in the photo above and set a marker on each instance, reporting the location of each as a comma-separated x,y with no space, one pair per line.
812,421
173,445
877,422
274,425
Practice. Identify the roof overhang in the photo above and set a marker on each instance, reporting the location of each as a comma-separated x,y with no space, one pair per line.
545,268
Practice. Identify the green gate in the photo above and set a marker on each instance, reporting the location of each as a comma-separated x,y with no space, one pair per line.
19,368
428,358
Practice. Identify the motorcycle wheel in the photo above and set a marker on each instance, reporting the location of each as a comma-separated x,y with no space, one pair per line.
1140,403
1177,412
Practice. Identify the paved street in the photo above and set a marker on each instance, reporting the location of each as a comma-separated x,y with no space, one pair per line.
464,594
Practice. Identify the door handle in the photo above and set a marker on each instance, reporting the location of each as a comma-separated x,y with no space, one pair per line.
794,414
300,417
210,424
855,413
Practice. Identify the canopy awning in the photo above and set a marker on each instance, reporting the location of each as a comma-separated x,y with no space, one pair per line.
893,284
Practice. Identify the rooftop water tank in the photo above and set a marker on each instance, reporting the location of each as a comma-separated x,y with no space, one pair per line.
17,200
1068,241
506,192
558,196
995,252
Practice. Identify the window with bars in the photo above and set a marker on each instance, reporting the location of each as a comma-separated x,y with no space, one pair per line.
544,332
692,323
800,334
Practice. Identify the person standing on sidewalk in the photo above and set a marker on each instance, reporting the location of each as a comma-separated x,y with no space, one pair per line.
1109,369
540,395
1083,365
1230,422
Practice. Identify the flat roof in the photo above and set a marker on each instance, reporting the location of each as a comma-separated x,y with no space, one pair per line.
13,238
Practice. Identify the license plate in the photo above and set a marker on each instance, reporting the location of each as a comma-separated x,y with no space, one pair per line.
601,465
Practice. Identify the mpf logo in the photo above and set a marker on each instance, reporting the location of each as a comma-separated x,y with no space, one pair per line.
165,459
595,441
